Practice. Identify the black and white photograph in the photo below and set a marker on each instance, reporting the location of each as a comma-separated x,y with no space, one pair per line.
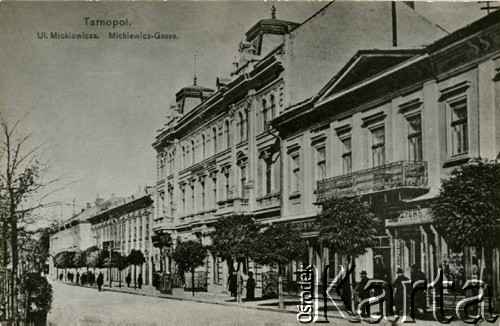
249,162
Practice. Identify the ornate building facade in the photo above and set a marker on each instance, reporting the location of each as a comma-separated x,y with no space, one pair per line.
389,127
219,154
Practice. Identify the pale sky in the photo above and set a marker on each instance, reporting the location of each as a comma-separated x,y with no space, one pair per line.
99,103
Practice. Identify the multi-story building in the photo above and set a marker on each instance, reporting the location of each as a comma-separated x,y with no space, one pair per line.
389,127
73,234
125,224
218,153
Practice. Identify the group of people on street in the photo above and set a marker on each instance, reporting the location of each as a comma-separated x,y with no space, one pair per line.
139,282
235,290
397,299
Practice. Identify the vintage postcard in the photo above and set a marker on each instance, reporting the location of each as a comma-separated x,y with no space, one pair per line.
249,162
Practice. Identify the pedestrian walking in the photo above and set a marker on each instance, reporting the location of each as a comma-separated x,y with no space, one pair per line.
77,277
250,287
419,306
363,294
233,287
139,281
100,281
400,292
128,279
60,277
83,279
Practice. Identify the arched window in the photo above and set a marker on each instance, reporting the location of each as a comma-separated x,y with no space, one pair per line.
226,134
192,152
214,139
203,150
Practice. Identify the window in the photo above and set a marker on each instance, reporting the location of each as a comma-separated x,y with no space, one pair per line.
460,139
264,115
192,198
415,138
184,163
320,163
171,201
242,127
183,198
214,140
161,203
243,181
272,109
162,167
203,149
226,185
214,190
346,156
226,134
268,175
295,179
202,188
378,147
192,152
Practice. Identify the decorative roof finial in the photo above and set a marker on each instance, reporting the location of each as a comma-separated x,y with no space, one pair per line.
194,79
273,12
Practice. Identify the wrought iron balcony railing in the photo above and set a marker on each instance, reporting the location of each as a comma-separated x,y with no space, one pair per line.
388,176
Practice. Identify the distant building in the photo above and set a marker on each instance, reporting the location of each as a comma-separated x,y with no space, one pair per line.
72,235
218,154
125,224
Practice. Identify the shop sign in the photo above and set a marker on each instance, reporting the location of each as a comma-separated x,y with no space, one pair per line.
410,217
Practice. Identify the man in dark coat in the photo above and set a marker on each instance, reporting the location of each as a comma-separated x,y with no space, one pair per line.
401,290
362,293
128,279
78,278
139,281
250,287
420,298
100,281
233,287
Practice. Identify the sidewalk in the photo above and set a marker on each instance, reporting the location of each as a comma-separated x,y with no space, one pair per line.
291,303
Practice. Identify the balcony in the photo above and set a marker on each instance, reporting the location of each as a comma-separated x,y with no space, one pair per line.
268,201
403,174
196,217
232,205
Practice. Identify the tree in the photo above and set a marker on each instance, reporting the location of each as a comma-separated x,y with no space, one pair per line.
120,262
92,255
136,257
233,238
279,245
38,298
346,226
189,255
467,209
80,259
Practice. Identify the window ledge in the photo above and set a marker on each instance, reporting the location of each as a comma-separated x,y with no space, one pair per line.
456,160
294,195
